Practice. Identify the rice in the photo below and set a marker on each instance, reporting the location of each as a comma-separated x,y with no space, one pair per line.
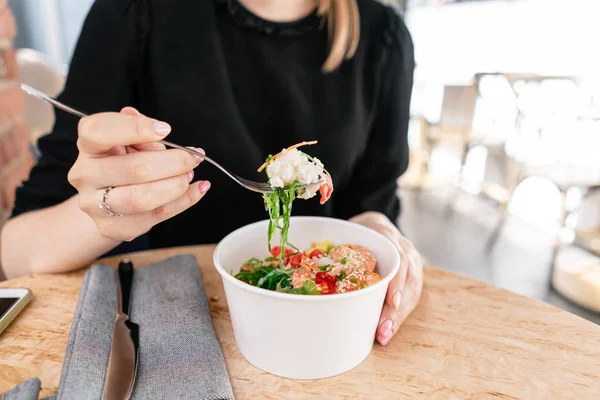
292,166
325,261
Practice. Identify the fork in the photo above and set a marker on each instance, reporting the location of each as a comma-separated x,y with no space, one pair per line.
254,186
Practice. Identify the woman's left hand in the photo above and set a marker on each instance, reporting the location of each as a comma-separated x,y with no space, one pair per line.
405,288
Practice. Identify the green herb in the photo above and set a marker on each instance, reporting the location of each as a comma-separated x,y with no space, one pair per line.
283,285
307,287
344,260
362,285
254,263
266,277
342,275
353,280
272,206
253,277
274,279
279,206
324,268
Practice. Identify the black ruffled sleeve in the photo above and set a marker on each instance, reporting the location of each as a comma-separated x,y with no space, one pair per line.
373,186
102,77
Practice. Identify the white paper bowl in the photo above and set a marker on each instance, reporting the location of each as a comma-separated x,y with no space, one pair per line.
300,336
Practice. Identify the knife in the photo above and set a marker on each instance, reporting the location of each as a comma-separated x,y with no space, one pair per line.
124,353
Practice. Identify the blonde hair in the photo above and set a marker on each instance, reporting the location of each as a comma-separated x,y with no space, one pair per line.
343,25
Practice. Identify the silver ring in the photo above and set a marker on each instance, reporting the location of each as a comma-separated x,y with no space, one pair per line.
105,206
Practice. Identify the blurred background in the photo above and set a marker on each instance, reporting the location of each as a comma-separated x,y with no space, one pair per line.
505,135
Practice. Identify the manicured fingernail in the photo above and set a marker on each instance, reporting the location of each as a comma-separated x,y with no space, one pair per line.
203,186
201,151
397,297
190,175
161,128
386,330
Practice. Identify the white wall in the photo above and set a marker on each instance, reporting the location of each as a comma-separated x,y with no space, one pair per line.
526,36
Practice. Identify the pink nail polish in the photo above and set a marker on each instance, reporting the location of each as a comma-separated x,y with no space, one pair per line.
203,186
386,329
382,341
190,175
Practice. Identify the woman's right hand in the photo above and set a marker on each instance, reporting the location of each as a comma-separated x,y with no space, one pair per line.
150,183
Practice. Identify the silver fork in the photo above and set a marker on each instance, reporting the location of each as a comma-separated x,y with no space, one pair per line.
254,186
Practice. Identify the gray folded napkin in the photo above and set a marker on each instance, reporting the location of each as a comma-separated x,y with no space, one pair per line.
180,356
28,390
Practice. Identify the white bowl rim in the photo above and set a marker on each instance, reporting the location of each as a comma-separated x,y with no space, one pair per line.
302,297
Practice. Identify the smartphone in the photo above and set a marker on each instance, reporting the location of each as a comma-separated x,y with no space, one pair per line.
12,302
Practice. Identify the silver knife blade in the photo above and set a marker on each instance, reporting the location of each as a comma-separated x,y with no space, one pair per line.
124,353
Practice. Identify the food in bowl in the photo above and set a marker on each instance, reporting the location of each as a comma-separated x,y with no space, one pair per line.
322,269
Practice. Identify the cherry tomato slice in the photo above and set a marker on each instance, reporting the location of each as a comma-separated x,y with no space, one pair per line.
316,253
275,250
296,260
328,280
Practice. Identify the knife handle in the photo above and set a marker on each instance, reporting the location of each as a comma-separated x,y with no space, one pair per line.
126,281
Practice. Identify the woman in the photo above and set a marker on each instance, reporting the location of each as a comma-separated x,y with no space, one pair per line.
243,78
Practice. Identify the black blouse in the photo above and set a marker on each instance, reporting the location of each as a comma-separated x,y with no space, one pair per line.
241,88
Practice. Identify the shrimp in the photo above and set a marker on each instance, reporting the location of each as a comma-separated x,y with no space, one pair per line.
347,286
306,271
309,265
326,189
247,268
372,278
357,257
299,277
358,279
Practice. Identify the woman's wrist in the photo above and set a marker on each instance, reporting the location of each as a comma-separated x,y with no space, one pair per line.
32,244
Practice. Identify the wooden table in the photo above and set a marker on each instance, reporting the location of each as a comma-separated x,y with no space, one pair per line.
466,339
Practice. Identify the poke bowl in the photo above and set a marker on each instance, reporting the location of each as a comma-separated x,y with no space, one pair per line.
296,331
